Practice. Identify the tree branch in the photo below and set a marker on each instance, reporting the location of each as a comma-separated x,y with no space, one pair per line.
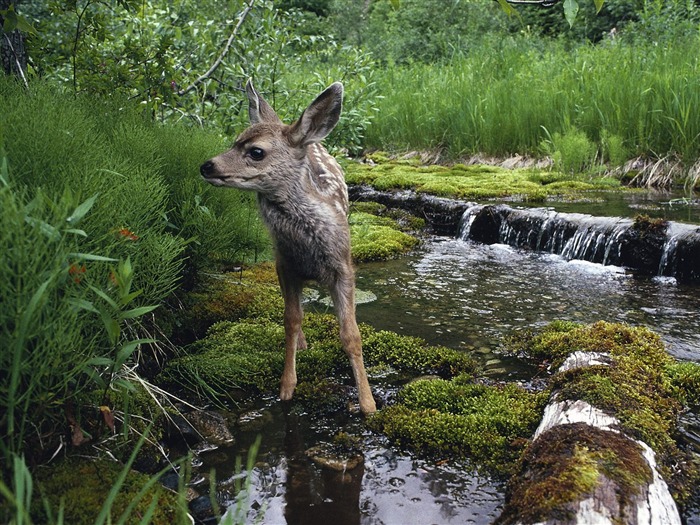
18,63
227,48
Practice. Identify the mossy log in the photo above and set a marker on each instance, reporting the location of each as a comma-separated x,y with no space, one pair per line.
581,468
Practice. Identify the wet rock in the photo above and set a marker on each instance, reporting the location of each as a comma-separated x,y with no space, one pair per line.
202,510
181,431
442,215
212,426
330,457
254,420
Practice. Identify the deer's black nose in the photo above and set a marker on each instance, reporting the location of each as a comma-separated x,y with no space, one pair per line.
206,169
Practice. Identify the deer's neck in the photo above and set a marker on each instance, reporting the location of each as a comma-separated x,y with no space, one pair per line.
316,190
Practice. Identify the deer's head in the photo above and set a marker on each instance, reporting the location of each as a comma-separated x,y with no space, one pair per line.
267,154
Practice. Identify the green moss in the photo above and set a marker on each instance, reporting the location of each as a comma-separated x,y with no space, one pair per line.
567,464
377,238
471,182
413,355
489,425
685,379
251,292
81,487
248,357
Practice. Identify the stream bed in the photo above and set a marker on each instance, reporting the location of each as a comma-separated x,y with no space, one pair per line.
462,295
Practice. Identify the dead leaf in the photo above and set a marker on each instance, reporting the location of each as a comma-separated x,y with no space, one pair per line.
108,417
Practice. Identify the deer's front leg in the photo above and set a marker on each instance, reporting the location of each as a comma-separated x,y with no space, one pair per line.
343,295
294,338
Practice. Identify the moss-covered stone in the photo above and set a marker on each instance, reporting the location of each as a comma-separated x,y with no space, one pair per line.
489,425
471,182
248,356
569,463
637,387
81,487
376,238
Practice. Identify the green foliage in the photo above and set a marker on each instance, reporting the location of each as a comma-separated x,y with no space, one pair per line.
489,425
159,53
424,30
572,152
152,205
46,354
640,93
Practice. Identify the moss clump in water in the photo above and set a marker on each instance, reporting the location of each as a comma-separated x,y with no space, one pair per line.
685,380
637,387
471,182
489,425
375,238
569,463
81,487
248,357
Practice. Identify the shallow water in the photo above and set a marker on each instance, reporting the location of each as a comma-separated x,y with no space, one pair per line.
388,488
462,295
466,296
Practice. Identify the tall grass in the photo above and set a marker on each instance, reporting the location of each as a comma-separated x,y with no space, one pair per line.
103,215
508,96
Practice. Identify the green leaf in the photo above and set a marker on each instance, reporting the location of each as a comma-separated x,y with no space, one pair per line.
77,232
137,312
395,3
14,21
509,9
598,5
81,210
96,378
100,361
83,304
570,11
91,257
111,302
128,348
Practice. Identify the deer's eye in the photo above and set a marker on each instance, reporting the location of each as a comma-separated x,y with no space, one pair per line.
256,153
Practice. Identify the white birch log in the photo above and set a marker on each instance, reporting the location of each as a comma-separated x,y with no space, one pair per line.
586,433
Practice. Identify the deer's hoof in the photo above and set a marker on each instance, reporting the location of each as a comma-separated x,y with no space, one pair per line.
286,392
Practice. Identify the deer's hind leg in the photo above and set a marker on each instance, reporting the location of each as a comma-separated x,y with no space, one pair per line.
294,339
343,294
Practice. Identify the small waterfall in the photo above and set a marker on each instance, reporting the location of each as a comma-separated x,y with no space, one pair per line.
648,247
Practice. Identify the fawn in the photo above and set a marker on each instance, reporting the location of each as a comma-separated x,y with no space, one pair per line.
303,201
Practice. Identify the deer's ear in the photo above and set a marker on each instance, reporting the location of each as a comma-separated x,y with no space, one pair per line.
258,108
319,119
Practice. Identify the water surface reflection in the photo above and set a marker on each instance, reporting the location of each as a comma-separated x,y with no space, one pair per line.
468,295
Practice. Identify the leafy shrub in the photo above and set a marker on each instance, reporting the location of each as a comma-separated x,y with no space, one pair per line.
154,52
572,152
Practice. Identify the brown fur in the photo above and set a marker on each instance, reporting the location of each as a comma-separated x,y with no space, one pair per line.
303,200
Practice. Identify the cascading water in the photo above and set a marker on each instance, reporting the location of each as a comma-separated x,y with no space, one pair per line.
647,246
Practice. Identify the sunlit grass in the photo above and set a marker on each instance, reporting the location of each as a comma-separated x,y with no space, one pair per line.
509,98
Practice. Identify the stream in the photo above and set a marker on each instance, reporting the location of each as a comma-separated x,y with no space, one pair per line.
463,295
